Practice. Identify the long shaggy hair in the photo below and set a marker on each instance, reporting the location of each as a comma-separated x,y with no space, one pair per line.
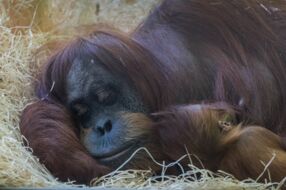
186,52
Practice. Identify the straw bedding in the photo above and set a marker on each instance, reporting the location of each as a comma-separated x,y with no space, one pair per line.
24,27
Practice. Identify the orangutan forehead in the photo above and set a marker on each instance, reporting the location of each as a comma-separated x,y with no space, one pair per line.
86,74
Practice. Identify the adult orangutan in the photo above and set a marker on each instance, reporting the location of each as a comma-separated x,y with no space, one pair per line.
200,76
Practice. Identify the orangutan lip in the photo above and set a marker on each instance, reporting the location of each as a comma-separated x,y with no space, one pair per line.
115,154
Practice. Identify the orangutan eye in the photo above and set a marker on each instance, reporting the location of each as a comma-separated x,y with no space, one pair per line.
106,96
79,109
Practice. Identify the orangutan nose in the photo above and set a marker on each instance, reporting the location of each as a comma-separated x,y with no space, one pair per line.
103,127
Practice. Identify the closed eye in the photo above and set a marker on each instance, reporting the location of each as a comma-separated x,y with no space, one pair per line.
79,108
103,95
106,95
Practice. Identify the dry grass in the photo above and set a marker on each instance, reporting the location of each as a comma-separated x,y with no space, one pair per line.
20,23
17,166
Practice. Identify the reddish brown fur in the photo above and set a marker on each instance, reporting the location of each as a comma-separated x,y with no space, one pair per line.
241,151
55,141
185,52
